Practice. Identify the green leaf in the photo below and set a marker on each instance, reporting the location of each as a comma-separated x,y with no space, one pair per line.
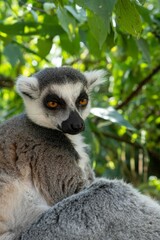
18,28
141,1
12,29
145,14
128,17
44,47
50,26
80,16
98,30
131,47
22,2
102,8
93,45
113,116
13,53
66,21
143,46
71,47
49,8
98,17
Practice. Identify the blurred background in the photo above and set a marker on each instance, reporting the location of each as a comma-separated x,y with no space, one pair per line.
120,36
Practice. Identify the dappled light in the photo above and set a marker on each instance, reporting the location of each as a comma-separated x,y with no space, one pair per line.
123,129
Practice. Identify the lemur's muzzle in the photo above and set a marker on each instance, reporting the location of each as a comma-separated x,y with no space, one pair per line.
74,124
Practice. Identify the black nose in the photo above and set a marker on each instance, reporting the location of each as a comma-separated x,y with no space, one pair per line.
74,124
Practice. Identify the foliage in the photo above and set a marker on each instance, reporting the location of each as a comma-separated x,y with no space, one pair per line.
152,187
122,36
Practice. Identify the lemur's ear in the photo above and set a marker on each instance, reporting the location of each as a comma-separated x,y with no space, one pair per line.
95,78
27,87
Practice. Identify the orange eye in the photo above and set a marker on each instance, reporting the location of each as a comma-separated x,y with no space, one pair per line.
52,104
83,102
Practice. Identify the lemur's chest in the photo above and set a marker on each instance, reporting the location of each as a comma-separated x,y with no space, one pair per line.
81,148
57,166
53,162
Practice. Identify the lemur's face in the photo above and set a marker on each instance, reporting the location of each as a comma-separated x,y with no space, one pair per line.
66,106
61,105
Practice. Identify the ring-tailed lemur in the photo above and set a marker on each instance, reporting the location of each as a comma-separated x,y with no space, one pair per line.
42,154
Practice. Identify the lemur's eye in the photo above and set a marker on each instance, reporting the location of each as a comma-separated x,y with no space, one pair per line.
54,102
83,102
52,105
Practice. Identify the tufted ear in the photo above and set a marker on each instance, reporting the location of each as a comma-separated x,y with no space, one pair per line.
27,87
95,78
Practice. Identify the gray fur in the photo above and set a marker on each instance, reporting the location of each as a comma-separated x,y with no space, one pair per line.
49,154
107,210
44,171
39,164
65,86
59,76
45,159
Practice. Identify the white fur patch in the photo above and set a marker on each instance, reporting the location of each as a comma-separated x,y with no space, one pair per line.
34,107
80,147
20,206
95,78
36,114
28,85
69,92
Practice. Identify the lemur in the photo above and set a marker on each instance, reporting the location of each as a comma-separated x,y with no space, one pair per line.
42,153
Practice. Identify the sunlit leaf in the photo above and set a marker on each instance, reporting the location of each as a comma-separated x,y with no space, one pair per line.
141,1
143,46
93,45
99,17
98,30
49,8
44,46
13,29
66,21
128,17
13,53
113,116
86,35
145,14
102,8
71,47
79,16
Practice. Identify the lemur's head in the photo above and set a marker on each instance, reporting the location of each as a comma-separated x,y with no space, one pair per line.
58,98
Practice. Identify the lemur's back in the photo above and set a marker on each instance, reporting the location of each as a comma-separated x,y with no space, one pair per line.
42,155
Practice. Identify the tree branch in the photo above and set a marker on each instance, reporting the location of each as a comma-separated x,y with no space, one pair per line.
6,82
119,139
139,87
